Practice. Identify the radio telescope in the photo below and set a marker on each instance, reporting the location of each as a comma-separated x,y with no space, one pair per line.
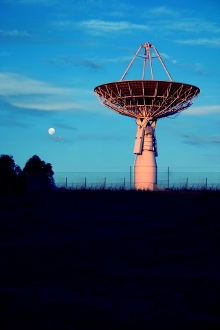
146,101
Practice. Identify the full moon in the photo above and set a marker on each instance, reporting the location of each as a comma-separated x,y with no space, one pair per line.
51,130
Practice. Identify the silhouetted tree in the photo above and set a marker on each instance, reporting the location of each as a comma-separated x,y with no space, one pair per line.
38,174
9,173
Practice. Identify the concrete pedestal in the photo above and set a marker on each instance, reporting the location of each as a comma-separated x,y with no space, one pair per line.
145,171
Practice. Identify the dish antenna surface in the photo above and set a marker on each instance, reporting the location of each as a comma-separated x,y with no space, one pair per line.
147,101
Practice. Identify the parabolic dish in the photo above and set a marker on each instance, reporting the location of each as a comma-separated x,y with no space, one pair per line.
150,99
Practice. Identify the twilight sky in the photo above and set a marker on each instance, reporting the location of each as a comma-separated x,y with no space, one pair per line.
53,53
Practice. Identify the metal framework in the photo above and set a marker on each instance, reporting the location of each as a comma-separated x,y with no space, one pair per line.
151,99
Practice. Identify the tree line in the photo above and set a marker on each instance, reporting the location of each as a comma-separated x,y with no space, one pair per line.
36,175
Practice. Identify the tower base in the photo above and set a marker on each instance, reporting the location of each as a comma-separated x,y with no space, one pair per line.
145,171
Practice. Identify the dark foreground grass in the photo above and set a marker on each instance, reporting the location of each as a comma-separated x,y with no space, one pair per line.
110,260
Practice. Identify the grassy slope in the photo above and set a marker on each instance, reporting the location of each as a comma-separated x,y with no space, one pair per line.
83,259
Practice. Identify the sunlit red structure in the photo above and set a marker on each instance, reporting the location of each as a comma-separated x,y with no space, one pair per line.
147,101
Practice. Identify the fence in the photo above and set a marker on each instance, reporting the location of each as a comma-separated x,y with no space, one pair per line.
166,179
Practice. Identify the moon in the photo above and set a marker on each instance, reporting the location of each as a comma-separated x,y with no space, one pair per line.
51,130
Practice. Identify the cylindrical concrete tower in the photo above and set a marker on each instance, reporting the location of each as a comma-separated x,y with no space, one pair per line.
145,171
145,166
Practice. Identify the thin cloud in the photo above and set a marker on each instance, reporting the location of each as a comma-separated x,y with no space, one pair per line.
58,139
45,105
165,56
194,25
14,33
32,2
203,110
196,68
25,93
117,59
98,137
169,19
182,24
201,139
64,60
117,14
14,84
165,19
210,42
163,10
188,24
95,26
91,64
101,27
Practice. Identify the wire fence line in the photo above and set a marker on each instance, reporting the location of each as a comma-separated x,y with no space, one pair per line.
166,179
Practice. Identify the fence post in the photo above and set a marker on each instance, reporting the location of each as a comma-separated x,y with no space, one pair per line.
105,183
66,182
186,183
168,177
206,183
124,183
85,183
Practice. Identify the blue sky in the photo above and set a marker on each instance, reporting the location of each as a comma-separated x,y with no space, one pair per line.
53,53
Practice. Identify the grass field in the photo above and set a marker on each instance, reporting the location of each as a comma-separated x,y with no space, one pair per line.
92,259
